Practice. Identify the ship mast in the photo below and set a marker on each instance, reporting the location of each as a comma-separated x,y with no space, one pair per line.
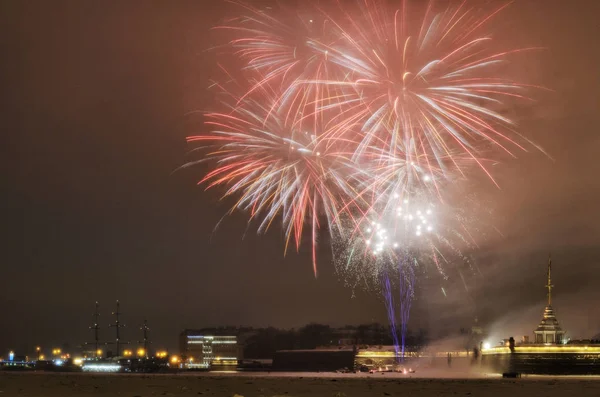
146,341
117,324
96,329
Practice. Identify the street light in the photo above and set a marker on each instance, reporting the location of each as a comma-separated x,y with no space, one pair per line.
99,352
141,352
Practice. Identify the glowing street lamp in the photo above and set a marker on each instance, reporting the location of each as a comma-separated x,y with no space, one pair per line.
99,353
127,353
141,352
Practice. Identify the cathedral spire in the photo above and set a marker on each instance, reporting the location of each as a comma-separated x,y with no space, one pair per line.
549,330
549,285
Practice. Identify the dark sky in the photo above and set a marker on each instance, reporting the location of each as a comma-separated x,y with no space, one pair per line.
93,118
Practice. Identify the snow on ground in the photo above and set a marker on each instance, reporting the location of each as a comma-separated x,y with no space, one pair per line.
292,385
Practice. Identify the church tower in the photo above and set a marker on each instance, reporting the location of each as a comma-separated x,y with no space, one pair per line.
549,330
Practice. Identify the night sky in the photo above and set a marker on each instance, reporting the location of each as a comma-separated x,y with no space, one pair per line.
93,118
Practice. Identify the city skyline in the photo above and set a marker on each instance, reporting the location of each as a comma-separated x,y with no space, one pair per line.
103,343
95,121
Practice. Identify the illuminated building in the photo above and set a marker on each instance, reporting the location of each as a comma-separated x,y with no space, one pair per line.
551,352
208,348
549,330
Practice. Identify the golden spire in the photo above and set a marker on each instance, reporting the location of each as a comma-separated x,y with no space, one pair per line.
549,285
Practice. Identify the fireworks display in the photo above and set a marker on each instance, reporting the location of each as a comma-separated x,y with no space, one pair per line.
276,169
354,119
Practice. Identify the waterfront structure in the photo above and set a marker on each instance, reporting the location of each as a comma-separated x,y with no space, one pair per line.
462,349
314,360
551,352
208,348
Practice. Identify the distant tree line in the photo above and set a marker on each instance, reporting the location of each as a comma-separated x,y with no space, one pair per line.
264,342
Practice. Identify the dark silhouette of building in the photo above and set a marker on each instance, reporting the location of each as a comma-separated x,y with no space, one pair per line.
313,360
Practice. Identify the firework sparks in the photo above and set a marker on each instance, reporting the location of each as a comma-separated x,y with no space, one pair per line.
275,170
412,222
343,114
354,116
424,93
280,48
391,247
